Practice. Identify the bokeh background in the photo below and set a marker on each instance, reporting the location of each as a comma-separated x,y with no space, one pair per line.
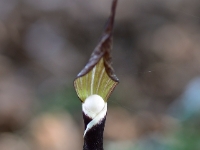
156,56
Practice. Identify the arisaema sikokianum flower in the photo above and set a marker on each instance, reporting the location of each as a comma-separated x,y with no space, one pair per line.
94,84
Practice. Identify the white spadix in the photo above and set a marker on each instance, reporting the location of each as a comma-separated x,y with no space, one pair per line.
93,105
95,108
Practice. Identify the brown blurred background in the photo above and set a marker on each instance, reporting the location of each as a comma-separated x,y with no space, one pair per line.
156,56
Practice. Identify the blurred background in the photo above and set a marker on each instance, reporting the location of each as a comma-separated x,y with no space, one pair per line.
156,55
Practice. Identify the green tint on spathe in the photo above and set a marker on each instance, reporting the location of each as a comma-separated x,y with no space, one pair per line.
95,81
98,77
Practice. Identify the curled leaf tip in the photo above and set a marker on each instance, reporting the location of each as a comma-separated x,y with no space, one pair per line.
98,76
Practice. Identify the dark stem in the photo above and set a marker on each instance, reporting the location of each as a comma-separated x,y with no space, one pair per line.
93,139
